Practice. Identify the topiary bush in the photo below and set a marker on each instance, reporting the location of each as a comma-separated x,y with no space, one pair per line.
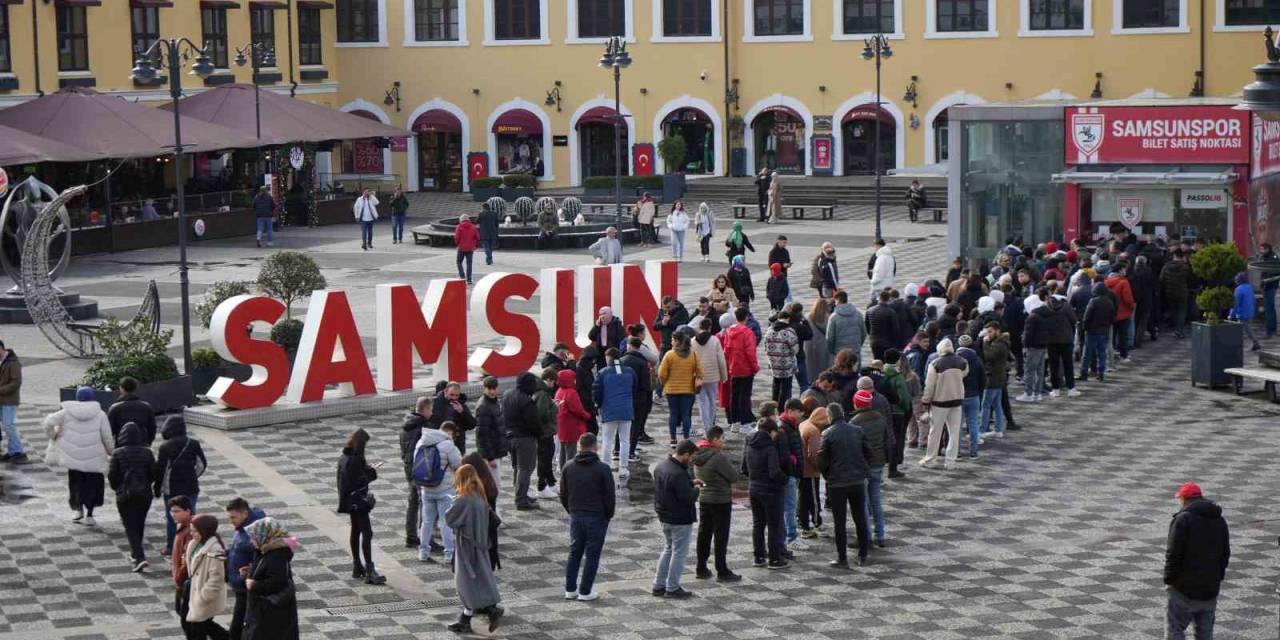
287,333
207,358
1216,265
130,350
288,276
672,150
487,183
519,180
216,294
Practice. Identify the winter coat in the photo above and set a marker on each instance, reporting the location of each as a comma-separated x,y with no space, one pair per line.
780,255
995,360
721,298
944,383
740,352
643,370
883,271
825,272
571,416
1125,303
711,355
878,435
263,205
882,326
241,552
775,291
10,380
544,400
183,458
399,204
354,477
679,318
130,408
790,448
1035,334
1143,282
207,568
896,380
1199,547
1100,313
816,357
678,221
1175,280
474,525
781,346
762,465
1245,306
1062,321
488,223
490,438
84,437
410,433
131,465
740,282
466,236
675,498
614,391
365,209
272,574
609,335
519,411
844,457
647,210
975,379
734,250
450,459
713,467
811,440
586,486
680,375
845,330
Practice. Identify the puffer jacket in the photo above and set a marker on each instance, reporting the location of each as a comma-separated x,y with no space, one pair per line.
782,346
845,455
675,498
882,326
995,360
131,408
131,466
519,411
811,438
878,435
1198,549
84,436
1125,303
183,457
761,463
614,393
713,467
740,351
1100,313
845,329
711,354
944,383
571,416
490,439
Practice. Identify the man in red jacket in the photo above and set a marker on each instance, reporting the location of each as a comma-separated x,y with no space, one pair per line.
467,238
740,356
1122,330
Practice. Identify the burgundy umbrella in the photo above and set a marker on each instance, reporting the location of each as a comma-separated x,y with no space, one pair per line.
114,127
20,147
284,120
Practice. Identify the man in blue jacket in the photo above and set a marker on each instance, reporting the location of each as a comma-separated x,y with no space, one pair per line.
1245,307
975,382
614,392
240,557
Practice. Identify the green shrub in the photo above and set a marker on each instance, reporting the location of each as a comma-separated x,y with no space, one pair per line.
1217,265
287,333
216,295
207,358
130,350
672,150
288,276
519,180
628,182
487,183
1215,302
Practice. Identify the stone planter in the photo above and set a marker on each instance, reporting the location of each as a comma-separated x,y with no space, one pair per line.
202,379
1215,348
165,396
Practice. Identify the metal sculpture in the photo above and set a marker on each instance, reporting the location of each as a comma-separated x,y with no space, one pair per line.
571,207
525,209
16,219
497,205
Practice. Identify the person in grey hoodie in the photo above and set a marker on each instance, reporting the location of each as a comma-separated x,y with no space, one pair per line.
715,508
844,460
845,328
436,499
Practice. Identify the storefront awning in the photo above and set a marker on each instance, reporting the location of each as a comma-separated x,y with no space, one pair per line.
151,3
600,115
1124,176
688,114
787,113
314,4
284,120
867,112
518,122
268,4
437,121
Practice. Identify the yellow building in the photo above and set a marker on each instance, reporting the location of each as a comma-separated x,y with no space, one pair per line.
519,80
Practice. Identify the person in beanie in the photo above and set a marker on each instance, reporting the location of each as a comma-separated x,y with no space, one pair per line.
84,439
810,512
1195,563
766,489
10,395
1244,308
845,462
944,389
129,473
715,508
675,497
879,437
587,493
775,290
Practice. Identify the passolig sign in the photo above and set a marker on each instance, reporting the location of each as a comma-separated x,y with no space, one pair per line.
1156,135
431,330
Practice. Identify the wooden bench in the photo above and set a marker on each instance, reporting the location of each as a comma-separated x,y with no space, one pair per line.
740,209
828,211
1267,375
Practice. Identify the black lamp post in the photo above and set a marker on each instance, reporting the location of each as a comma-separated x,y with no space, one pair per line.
176,52
259,55
1262,96
616,57
877,48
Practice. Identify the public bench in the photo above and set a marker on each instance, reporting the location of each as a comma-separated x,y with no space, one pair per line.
1268,376
826,210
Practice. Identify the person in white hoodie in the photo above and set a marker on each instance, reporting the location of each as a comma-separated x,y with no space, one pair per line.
365,211
83,437
714,370
436,499
677,222
882,270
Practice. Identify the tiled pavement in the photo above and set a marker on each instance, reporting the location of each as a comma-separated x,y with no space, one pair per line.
1055,532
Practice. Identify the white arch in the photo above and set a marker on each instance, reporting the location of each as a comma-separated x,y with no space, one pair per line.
411,155
575,160
777,100
944,103
520,103
1055,94
364,105
867,97
718,130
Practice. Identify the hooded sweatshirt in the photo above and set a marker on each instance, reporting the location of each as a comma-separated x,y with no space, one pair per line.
130,469
587,486
1199,546
811,438
713,468
845,329
85,435
519,411
450,459
182,456
884,269
571,416
762,464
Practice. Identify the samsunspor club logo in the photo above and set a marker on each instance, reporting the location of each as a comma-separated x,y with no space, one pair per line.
1087,132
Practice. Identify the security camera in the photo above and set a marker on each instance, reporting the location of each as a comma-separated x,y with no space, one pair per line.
703,75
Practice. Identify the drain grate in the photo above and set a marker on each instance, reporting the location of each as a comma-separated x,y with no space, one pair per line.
392,607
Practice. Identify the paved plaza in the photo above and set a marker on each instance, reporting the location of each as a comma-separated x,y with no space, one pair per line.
1056,531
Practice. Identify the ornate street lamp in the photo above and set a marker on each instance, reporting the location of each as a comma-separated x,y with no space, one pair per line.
1262,96
259,55
616,57
877,48
175,53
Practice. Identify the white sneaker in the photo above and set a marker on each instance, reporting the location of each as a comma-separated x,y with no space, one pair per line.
797,545
924,462
1055,394
79,516
548,493
1072,393
998,435
89,521
588,597
1025,398
424,555
981,441
571,595
1039,397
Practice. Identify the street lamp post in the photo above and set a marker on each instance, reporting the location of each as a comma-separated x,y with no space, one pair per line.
175,52
257,55
877,48
616,57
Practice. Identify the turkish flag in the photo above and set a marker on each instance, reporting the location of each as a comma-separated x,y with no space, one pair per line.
477,165
642,159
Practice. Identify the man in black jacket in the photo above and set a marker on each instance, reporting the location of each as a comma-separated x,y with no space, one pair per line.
587,493
451,406
491,440
845,462
131,408
642,399
675,499
1195,563
524,427
766,489
129,473
178,468
1099,314
882,326
410,432
878,435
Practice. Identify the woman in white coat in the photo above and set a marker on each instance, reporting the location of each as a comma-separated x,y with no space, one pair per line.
84,440
714,371
207,585
677,222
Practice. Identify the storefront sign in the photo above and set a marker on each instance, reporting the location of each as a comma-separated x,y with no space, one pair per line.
642,159
296,156
366,157
559,141
1203,199
1266,147
477,165
822,153
822,123
426,330
1130,211
1156,135
399,145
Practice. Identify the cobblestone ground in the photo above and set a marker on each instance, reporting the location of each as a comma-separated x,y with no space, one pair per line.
1056,531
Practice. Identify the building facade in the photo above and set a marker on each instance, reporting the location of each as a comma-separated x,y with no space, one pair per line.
747,84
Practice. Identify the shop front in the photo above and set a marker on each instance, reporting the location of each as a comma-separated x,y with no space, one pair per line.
859,130
439,135
518,138
779,141
699,139
598,147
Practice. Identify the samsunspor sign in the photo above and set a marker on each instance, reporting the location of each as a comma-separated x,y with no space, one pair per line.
1157,135
431,330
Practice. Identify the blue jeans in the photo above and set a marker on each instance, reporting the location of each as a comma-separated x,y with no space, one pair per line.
264,228
671,563
1095,354
1183,611
171,527
1120,333
677,245
487,243
464,256
972,407
397,228
9,419
681,407
366,232
1269,309
992,402
586,536
433,510
1131,332
789,500
875,507
802,372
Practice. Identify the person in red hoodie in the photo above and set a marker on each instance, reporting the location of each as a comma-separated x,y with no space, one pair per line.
1125,305
740,355
467,238
571,416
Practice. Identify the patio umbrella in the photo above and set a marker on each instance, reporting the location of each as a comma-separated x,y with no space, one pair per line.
114,127
20,147
285,120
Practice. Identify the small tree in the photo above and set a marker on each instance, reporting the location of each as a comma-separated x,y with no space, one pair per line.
1216,265
288,276
216,295
130,350
672,150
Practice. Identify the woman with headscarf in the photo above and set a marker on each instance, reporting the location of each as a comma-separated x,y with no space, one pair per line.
740,280
207,585
272,609
470,518
681,377
354,477
738,243
705,223
83,439
129,473
775,198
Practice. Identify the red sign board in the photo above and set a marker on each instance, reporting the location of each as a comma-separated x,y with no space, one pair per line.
477,165
4,181
366,157
1266,147
400,145
821,153
642,159
1156,135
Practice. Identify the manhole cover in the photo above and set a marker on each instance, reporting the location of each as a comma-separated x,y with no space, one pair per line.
392,607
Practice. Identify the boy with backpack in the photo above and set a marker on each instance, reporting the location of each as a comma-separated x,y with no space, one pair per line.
435,458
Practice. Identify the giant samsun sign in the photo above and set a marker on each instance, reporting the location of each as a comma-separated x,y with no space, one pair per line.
433,330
